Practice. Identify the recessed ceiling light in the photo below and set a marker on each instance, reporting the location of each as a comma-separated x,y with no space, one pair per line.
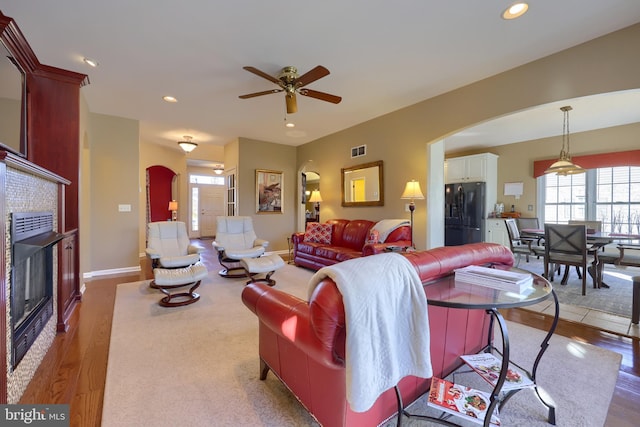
169,98
91,62
516,10
290,125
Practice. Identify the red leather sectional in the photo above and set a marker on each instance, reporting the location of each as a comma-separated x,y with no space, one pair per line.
303,342
348,241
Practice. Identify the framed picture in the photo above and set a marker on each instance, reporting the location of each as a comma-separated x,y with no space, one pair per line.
269,191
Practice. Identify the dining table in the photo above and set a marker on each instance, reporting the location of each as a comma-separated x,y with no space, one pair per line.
596,240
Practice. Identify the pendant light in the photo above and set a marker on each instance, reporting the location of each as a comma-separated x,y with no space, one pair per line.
187,145
564,165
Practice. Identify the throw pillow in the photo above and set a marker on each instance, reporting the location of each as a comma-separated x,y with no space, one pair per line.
318,233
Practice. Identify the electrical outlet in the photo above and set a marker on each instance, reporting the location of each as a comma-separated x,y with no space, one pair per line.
124,208
406,207
529,208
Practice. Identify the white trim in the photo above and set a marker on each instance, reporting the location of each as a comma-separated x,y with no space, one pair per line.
125,270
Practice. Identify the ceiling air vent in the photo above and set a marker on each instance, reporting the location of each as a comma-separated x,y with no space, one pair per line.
359,151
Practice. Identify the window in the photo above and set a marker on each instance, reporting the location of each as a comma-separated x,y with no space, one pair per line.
618,199
610,195
206,180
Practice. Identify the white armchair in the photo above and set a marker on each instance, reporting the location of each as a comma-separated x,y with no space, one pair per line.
175,261
169,246
235,240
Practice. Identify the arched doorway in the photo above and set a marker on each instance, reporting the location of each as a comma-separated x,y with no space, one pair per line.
161,190
308,180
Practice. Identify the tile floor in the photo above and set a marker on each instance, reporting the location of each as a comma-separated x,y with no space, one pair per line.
606,321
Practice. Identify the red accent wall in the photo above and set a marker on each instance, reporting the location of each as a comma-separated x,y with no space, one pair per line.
160,179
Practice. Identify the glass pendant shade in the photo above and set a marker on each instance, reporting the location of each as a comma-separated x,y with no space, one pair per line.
187,145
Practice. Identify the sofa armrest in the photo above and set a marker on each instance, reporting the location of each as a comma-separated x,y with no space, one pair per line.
288,317
297,238
378,248
217,246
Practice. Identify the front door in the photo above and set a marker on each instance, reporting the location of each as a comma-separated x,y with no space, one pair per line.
211,206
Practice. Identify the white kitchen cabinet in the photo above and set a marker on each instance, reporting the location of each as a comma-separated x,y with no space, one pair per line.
474,168
496,231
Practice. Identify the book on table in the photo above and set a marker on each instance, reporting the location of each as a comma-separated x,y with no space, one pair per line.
456,399
494,278
488,366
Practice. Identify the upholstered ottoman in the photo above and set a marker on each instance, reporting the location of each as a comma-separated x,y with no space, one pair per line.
166,279
265,264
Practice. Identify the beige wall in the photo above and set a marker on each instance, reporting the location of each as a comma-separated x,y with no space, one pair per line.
607,64
114,181
274,227
399,139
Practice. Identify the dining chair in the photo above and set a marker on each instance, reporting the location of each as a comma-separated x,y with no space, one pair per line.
532,223
521,245
596,226
529,223
566,244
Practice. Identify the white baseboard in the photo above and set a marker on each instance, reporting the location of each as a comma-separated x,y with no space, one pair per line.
125,270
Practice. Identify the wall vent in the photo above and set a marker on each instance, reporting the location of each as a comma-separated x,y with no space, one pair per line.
359,151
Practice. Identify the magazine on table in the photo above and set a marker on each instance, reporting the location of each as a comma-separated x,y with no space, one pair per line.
488,366
494,278
456,399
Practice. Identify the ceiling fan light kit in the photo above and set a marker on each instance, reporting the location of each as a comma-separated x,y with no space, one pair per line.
292,84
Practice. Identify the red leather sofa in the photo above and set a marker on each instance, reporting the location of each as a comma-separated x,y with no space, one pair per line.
348,241
303,342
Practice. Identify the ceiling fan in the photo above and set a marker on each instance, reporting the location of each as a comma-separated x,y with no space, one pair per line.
291,83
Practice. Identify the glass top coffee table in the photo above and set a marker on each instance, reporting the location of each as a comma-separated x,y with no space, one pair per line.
447,292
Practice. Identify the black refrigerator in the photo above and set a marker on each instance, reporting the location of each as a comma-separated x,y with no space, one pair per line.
464,213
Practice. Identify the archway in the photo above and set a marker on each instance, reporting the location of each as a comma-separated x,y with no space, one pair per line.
308,180
160,191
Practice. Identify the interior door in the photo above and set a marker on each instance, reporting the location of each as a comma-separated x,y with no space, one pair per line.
211,206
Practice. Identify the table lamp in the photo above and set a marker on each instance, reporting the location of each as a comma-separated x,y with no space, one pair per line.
173,207
316,198
412,192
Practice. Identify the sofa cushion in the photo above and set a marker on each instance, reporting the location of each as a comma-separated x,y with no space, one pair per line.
318,233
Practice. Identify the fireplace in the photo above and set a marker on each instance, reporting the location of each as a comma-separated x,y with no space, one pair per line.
33,241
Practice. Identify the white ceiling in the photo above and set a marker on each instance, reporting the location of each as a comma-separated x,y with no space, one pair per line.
382,56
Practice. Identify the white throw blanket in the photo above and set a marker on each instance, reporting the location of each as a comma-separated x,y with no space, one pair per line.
387,324
386,226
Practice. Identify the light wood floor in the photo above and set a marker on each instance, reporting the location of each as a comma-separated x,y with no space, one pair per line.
74,369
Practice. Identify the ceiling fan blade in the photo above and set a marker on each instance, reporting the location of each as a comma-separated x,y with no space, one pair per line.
320,95
262,74
266,92
311,76
292,103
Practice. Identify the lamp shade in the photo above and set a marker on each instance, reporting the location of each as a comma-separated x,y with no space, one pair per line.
315,196
173,205
412,191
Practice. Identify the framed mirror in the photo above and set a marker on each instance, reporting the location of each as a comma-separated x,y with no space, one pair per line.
13,104
363,185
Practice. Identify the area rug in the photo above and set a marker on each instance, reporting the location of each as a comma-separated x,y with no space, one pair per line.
198,365
616,299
